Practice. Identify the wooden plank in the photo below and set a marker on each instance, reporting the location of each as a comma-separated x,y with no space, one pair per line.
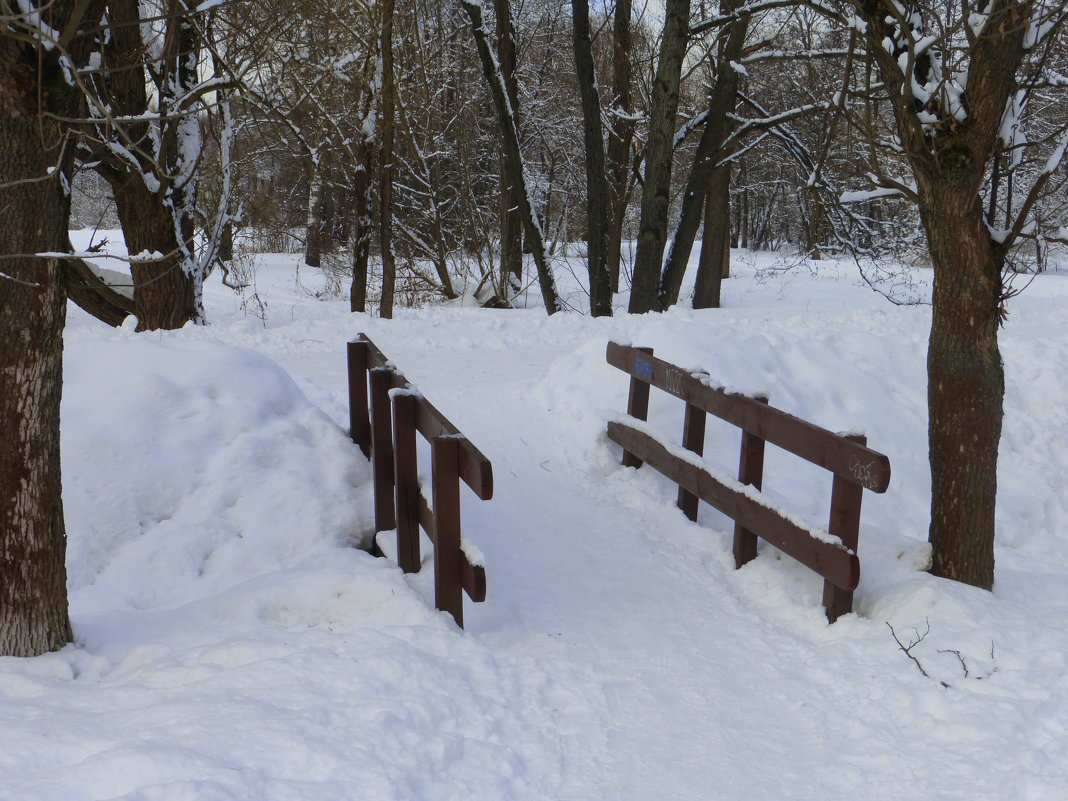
751,472
382,449
406,479
637,402
693,439
850,460
846,499
444,458
831,561
472,576
359,412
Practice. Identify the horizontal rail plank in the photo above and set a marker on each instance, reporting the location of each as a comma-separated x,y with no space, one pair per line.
854,462
475,469
834,562
472,577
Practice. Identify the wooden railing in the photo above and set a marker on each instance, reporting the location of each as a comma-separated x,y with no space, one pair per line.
855,467
385,412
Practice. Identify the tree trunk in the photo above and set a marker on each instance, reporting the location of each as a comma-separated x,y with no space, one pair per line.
620,135
33,590
361,233
721,103
965,385
164,294
659,151
715,241
313,227
965,376
511,269
165,291
385,171
597,199
514,155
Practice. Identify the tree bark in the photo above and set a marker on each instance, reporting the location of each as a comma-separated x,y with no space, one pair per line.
385,170
715,241
313,226
511,266
620,136
33,97
597,197
965,386
656,198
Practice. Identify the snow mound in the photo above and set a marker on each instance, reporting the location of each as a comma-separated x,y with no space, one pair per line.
192,466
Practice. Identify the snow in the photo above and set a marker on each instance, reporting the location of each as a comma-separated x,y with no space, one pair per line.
231,644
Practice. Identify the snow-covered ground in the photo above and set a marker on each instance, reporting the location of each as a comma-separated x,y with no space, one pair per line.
231,644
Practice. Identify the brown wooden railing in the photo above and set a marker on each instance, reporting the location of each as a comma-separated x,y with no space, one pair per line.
855,467
385,412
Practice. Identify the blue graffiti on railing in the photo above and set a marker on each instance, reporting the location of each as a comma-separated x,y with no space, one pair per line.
643,369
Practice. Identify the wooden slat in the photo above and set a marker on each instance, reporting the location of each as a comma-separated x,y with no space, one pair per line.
831,561
693,439
637,407
472,576
751,472
406,472
854,462
846,500
359,411
382,449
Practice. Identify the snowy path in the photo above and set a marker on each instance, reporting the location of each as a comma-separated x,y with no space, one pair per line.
230,648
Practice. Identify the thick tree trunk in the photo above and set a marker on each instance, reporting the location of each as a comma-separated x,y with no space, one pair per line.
164,293
656,193
715,241
511,266
597,199
965,386
33,591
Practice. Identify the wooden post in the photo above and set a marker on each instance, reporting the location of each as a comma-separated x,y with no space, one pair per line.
448,590
359,415
693,439
638,407
382,448
846,498
750,471
406,482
